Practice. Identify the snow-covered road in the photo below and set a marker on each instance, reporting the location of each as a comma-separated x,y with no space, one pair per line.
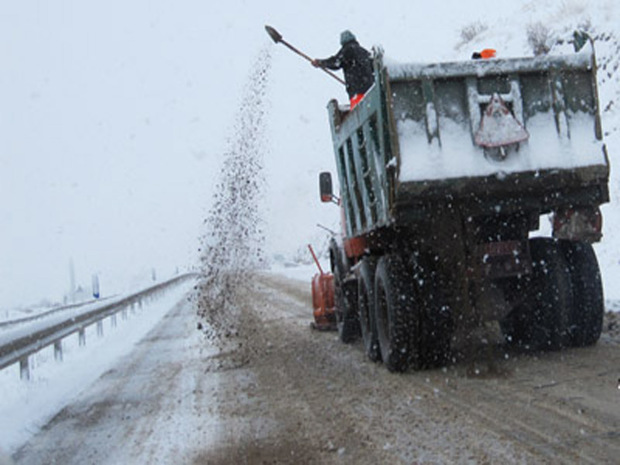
291,395
152,406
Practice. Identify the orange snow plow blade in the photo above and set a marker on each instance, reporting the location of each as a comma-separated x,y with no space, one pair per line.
322,298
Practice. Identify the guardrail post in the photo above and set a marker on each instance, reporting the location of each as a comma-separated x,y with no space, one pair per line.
24,368
113,320
58,351
124,313
82,337
100,328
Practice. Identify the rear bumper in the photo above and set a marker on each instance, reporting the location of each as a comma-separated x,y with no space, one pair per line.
502,193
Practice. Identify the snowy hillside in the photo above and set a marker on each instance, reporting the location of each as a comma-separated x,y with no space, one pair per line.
553,24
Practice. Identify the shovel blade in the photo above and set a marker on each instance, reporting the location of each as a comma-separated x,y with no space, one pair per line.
275,35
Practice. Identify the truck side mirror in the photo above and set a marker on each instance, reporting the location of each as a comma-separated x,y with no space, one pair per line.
325,186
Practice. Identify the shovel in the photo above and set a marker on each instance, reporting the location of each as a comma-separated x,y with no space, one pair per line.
277,38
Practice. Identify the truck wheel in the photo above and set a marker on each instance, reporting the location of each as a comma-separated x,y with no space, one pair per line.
347,319
542,322
345,297
338,262
586,316
366,308
396,312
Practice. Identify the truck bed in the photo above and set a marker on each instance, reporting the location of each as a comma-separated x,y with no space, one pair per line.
412,143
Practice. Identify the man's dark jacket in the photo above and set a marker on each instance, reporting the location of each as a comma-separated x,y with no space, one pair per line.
356,63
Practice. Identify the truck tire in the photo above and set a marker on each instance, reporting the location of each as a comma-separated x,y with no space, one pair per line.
542,322
366,309
586,316
347,320
337,259
345,297
396,314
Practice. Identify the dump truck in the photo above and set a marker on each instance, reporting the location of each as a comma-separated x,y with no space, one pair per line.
445,171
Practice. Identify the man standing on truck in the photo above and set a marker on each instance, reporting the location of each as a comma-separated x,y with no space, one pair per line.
356,63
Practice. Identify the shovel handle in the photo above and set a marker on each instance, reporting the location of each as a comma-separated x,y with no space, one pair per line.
341,81
277,38
302,54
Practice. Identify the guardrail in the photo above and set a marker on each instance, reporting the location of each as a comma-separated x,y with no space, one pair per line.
41,315
22,347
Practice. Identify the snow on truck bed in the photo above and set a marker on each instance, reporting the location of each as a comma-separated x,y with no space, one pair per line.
457,155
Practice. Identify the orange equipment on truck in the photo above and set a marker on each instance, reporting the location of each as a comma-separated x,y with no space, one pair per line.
322,298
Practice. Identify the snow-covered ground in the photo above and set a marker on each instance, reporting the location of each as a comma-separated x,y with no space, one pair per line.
300,272
26,406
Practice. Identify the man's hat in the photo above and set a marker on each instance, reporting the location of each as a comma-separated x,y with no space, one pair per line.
346,37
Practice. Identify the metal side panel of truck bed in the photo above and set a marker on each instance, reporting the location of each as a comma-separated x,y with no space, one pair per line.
417,139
